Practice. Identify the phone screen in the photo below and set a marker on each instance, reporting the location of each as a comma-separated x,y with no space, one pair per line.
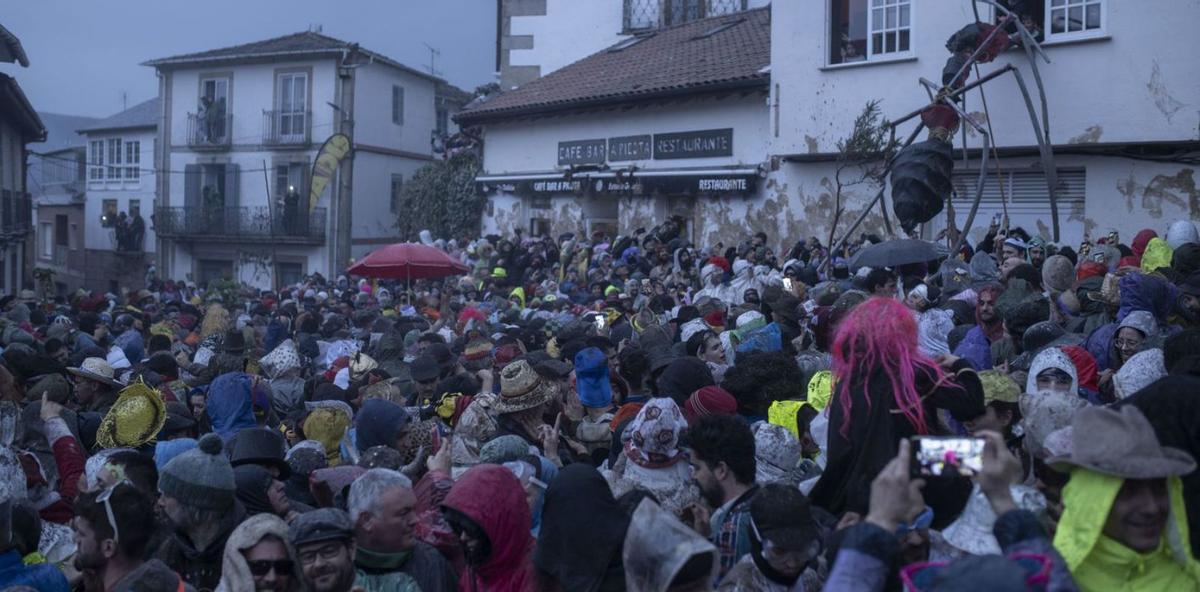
946,457
787,284
599,320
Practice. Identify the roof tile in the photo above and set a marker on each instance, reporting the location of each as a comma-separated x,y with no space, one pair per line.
679,59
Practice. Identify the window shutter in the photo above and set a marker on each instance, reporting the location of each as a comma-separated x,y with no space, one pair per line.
398,105
231,186
191,186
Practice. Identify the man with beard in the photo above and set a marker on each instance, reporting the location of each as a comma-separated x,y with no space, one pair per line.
324,543
976,345
723,467
198,495
113,528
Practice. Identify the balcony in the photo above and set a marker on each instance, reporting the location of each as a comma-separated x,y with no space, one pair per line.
16,214
287,129
243,225
209,132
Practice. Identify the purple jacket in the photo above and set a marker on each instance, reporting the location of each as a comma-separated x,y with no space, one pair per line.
975,349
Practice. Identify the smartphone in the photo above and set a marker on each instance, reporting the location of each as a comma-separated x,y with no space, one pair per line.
787,284
946,457
599,320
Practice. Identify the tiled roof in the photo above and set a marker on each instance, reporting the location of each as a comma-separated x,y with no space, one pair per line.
297,44
694,57
143,114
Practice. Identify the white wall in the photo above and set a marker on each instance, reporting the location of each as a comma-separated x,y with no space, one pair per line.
373,217
96,236
373,109
525,146
1139,85
251,92
569,31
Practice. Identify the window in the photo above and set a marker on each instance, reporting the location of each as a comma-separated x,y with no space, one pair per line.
397,192
213,110
289,178
443,121
133,159
135,208
61,237
1075,18
398,105
862,30
289,273
539,227
96,160
641,15
113,172
47,240
293,106
1027,206
108,213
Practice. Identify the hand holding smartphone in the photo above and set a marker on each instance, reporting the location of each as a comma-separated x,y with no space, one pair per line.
946,457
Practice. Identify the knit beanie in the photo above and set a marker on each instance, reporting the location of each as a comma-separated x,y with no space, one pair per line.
201,478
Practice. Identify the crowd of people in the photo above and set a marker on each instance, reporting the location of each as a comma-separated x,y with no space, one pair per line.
602,413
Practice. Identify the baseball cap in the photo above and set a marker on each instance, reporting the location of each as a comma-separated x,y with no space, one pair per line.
325,524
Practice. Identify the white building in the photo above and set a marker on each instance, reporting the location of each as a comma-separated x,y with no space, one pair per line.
242,128
1121,97
671,122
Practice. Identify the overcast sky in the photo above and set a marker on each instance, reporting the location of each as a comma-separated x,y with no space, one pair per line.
83,54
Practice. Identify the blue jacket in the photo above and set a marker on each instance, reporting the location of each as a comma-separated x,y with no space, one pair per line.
43,578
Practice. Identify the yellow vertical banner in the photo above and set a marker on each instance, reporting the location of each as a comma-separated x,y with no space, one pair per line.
332,152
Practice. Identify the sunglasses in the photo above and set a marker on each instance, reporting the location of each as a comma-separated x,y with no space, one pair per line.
263,567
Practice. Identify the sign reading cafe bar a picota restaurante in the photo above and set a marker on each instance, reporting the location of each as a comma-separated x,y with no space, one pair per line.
695,144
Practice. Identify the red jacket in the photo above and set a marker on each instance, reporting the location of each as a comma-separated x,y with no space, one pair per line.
69,458
491,496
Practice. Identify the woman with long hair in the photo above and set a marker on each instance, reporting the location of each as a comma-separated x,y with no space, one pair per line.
885,390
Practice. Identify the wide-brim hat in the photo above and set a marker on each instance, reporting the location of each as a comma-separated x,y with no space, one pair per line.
134,420
972,531
1044,412
97,369
521,388
1127,446
234,342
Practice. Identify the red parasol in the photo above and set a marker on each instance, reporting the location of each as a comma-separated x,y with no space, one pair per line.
409,261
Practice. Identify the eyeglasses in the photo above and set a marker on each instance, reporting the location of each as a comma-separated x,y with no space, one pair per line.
1127,343
327,552
263,567
104,498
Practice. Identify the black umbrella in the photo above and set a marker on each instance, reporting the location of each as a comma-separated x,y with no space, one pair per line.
896,252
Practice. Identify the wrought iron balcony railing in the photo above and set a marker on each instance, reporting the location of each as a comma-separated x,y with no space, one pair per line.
287,128
244,224
209,131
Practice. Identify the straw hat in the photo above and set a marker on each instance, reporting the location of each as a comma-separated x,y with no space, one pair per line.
97,369
135,419
521,388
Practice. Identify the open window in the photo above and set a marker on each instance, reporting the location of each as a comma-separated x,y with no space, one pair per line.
1061,20
866,30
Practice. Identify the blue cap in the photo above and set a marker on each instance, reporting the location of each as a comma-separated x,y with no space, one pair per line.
591,378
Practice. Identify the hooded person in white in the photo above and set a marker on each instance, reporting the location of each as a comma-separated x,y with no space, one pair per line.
711,276
744,279
1182,232
1051,358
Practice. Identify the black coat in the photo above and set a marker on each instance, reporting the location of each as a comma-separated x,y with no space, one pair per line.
875,431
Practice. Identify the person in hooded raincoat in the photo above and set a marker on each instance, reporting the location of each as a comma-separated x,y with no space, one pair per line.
488,511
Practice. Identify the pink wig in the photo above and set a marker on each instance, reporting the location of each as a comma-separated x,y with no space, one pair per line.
881,334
